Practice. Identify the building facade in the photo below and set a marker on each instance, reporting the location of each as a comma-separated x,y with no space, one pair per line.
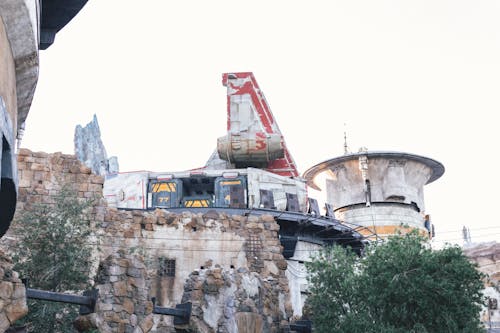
25,27
19,40
378,192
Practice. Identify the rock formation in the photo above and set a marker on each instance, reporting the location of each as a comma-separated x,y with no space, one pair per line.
90,150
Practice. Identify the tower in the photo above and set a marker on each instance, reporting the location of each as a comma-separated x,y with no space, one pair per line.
380,192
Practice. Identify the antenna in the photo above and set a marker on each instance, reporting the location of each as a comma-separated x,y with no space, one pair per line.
466,235
346,149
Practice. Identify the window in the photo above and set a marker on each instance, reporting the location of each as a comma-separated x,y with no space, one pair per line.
167,267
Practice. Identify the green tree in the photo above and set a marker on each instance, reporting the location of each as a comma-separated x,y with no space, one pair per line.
401,285
53,253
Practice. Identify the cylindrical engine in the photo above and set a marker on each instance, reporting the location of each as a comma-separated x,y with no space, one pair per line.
250,149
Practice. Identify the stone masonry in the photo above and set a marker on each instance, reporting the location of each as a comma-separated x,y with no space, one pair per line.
41,175
230,268
240,287
487,257
12,294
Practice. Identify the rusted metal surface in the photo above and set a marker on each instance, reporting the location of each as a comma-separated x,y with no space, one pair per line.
253,138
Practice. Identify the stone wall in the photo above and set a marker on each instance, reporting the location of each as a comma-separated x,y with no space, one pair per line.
231,268
41,176
487,257
12,294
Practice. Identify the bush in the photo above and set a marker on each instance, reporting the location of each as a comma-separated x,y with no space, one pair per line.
53,253
401,285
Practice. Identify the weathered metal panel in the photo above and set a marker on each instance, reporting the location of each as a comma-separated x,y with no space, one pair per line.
130,190
253,137
292,202
266,199
231,192
127,190
164,193
279,185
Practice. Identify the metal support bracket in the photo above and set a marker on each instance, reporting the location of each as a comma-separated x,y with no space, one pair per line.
181,313
303,326
86,302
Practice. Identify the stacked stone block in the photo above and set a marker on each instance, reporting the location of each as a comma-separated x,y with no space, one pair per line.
123,304
12,294
230,267
487,257
226,298
41,175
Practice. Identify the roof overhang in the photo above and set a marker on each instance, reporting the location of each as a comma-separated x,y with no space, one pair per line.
31,25
437,169
55,15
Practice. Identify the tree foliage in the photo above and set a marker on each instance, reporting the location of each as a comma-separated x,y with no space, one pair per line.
401,285
53,253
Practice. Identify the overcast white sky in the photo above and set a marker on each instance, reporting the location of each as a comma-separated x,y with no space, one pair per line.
414,76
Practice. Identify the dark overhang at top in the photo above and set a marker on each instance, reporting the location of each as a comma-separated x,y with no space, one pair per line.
55,14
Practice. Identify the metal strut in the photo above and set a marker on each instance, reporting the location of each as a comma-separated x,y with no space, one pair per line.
181,313
304,326
86,302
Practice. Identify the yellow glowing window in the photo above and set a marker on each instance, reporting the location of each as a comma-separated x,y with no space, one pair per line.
231,182
164,187
196,203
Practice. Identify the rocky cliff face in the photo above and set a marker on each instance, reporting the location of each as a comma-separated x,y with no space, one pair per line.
90,150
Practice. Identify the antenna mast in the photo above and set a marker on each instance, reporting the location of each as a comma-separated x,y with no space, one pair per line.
346,149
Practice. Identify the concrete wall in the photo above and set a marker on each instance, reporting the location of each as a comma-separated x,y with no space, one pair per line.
297,274
393,198
382,219
8,106
7,78
396,180
21,23
8,117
